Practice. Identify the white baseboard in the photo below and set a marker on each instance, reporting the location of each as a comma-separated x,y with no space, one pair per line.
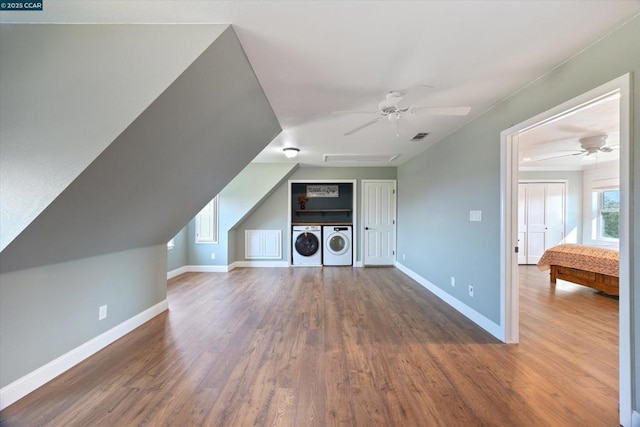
224,268
33,380
199,269
485,323
178,271
208,268
635,419
237,264
275,264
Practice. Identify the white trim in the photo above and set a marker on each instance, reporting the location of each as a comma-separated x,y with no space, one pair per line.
260,264
207,268
508,234
635,419
224,268
178,271
199,269
358,264
33,380
477,318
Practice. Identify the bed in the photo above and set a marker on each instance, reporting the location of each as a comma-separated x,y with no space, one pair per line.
589,266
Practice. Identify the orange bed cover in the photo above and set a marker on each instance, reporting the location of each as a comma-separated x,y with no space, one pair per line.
587,258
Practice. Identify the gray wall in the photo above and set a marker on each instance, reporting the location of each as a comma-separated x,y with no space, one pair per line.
236,201
178,256
272,213
48,311
437,189
162,169
77,87
573,226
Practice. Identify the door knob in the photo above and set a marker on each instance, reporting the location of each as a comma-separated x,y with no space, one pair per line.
366,228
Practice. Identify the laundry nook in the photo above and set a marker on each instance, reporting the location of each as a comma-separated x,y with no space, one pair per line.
322,223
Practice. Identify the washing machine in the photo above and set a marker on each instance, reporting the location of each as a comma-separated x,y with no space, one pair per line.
338,245
306,245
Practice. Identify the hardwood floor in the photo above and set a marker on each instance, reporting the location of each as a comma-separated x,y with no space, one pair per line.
342,346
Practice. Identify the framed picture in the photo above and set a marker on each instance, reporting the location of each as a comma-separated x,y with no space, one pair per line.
322,191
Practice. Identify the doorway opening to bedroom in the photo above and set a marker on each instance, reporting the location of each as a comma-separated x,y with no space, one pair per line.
572,143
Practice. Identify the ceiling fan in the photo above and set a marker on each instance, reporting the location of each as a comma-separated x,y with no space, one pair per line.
590,146
394,107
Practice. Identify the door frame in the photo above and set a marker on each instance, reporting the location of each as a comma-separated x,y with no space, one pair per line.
395,216
509,315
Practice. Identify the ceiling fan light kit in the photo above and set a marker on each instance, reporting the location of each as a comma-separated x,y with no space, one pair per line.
291,152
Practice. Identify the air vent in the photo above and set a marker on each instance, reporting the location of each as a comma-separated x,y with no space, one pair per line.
420,136
346,158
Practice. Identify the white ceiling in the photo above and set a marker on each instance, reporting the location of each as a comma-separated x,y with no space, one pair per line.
316,57
556,145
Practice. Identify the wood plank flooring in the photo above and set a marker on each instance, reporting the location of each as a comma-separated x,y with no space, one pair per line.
342,346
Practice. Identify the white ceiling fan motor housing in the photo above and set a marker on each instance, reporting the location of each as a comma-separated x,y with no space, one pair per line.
592,144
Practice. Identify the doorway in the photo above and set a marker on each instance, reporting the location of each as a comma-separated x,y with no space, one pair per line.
509,222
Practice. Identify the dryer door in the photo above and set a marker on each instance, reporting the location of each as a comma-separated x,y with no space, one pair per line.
307,244
337,243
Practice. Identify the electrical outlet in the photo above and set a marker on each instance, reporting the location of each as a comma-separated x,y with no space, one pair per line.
102,312
213,255
453,282
470,290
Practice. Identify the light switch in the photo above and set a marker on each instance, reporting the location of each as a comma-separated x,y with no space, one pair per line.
475,215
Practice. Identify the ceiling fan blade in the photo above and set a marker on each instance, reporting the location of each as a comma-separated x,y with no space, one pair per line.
442,111
558,157
359,128
352,112
607,149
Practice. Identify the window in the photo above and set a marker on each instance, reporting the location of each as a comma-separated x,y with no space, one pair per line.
207,223
609,214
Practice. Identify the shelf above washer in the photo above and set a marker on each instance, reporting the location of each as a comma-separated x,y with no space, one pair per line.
323,211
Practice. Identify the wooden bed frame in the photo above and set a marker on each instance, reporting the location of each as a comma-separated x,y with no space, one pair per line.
601,282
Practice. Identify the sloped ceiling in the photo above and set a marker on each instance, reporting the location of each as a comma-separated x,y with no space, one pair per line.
67,91
168,163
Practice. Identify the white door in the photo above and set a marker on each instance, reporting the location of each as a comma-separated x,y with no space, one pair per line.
544,213
379,213
536,226
555,212
522,224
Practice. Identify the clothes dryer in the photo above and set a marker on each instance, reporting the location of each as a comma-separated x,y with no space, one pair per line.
338,245
306,245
